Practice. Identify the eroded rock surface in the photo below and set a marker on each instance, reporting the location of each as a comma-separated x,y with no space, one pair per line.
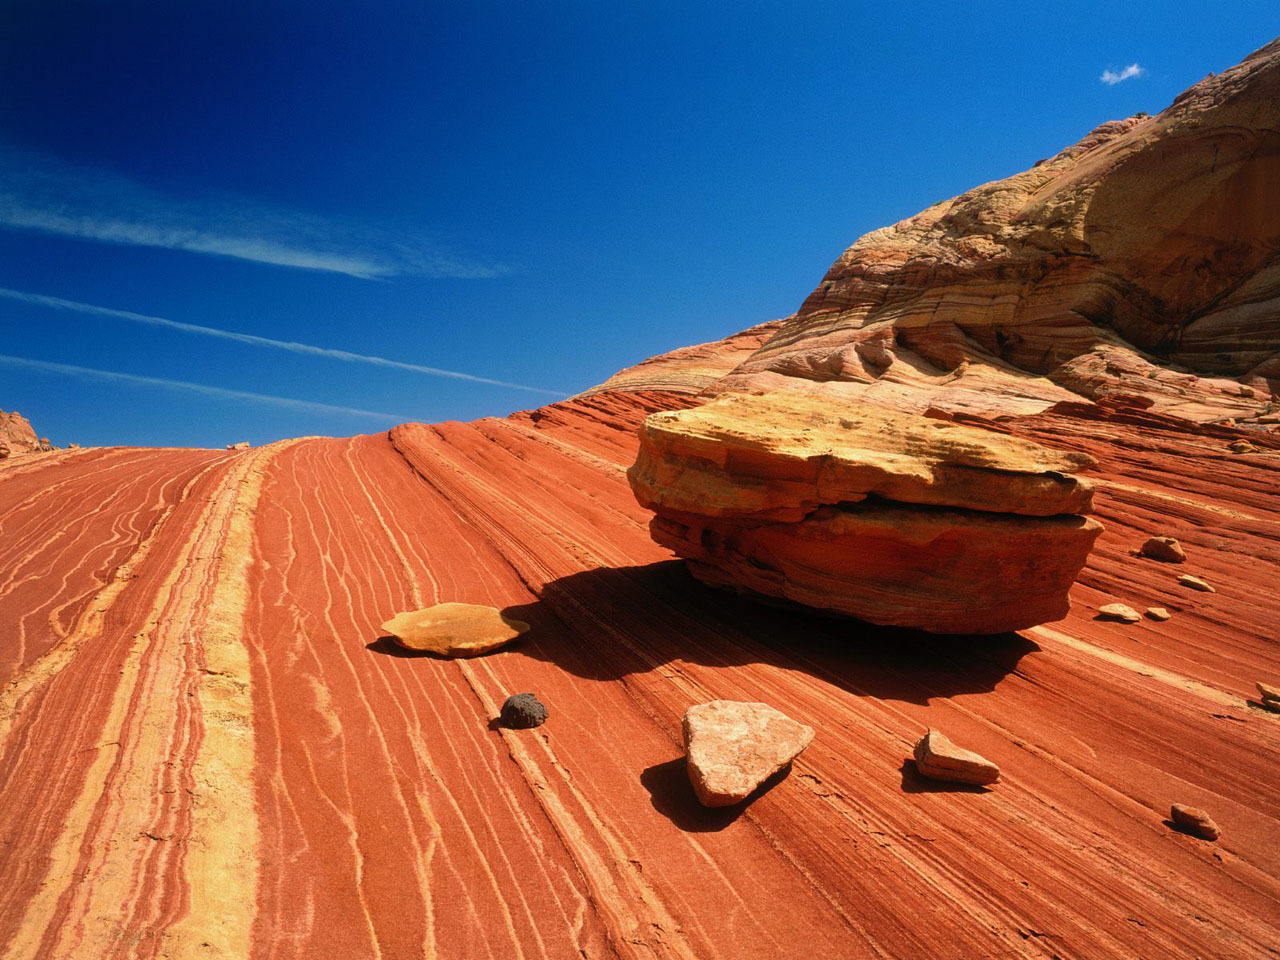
733,747
882,515
454,629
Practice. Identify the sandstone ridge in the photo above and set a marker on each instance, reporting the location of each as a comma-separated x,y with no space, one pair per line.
1142,261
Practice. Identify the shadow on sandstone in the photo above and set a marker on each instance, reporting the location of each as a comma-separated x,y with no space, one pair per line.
672,795
608,623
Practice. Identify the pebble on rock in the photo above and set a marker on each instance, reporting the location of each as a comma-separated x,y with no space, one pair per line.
1195,583
1163,548
1270,693
1242,446
522,711
939,759
1158,613
1195,821
732,747
1119,611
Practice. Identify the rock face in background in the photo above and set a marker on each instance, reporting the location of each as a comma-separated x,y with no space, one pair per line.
690,369
17,437
1141,261
889,517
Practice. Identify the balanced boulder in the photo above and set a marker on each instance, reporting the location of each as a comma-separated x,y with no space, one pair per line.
883,515
732,747
454,629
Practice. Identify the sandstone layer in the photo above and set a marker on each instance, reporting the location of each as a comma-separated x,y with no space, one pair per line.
882,515
197,692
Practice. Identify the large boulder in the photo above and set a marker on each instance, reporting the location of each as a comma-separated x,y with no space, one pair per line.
883,515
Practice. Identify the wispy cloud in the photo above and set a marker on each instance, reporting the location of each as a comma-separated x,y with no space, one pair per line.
44,195
222,393
1111,77
57,303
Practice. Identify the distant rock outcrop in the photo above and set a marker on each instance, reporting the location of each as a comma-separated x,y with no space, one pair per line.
883,515
1143,260
17,436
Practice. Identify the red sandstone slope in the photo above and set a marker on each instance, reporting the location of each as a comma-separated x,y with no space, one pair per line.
207,750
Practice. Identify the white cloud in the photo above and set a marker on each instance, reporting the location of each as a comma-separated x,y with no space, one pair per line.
222,393
1111,77
57,303
43,195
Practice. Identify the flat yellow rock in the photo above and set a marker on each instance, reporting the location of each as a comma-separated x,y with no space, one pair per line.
454,629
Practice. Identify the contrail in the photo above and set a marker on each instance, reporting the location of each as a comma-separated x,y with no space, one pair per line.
221,392
57,303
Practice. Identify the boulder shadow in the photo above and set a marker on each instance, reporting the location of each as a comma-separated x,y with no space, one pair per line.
913,781
672,795
387,646
608,623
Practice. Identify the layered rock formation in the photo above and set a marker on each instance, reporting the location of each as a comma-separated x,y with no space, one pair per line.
17,437
883,515
1144,260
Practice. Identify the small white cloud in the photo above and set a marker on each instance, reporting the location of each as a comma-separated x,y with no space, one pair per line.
1111,77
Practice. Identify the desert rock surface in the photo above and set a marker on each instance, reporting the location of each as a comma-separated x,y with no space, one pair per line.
204,752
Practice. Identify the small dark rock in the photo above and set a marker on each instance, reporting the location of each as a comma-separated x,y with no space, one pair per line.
523,711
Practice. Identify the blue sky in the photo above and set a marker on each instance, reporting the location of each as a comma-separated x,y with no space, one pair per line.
527,195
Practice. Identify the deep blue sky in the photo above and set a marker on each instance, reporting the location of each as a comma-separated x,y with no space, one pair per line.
537,193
